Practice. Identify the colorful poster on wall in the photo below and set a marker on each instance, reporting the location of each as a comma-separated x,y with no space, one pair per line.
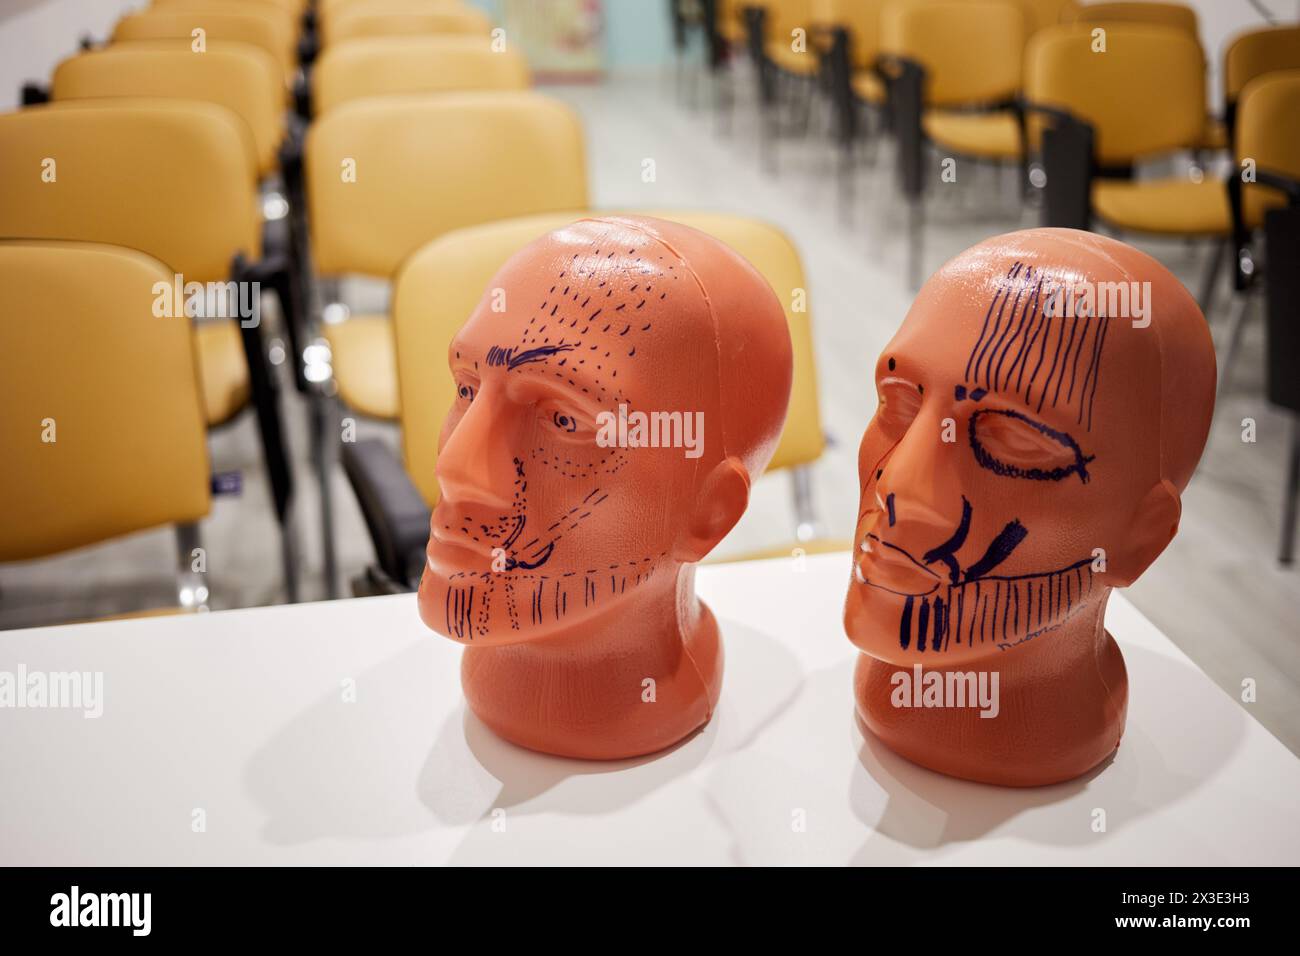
562,39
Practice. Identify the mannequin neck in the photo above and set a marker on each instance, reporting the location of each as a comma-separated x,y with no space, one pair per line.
1061,705
638,677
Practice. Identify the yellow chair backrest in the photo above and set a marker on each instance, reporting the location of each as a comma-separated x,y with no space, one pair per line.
332,8
1144,95
387,174
383,18
386,66
173,178
441,284
1046,13
1258,52
1179,16
245,21
1268,132
970,49
862,20
786,16
294,8
101,418
238,76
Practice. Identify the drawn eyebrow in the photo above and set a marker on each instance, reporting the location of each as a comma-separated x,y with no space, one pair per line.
498,356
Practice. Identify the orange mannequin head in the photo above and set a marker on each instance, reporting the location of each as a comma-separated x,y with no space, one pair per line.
619,385
1042,407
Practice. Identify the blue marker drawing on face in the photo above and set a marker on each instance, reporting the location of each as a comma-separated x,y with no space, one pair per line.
1034,340
498,356
979,607
986,459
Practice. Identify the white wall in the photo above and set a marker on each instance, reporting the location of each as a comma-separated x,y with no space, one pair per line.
36,34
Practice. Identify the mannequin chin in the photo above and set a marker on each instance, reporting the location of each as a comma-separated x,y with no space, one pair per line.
562,550
1034,433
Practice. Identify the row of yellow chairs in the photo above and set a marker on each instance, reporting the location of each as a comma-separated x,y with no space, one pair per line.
432,203
986,68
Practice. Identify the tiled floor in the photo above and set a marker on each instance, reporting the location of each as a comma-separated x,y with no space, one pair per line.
1217,591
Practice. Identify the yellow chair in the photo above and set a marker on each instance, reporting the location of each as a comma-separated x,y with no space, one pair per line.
970,52
239,76
1040,14
1268,133
860,22
1254,54
295,8
954,71
379,18
245,21
332,8
101,411
385,66
1178,16
436,290
176,179
1144,97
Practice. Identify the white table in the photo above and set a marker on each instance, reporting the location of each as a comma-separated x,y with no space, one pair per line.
242,714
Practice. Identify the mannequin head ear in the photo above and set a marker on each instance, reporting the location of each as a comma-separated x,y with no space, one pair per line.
1151,527
721,499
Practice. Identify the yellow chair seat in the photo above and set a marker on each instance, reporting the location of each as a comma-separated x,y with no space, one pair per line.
787,550
800,64
1166,207
223,369
868,86
994,135
365,364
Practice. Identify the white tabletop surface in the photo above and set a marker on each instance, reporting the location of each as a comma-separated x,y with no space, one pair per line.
241,714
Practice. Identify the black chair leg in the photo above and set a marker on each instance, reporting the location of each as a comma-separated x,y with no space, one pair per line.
1290,495
1232,343
906,96
265,393
1213,266
324,424
915,242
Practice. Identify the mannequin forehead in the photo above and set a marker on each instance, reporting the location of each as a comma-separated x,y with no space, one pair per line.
1038,334
603,313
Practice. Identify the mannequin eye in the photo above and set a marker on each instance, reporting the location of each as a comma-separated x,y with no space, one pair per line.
1015,445
465,392
564,421
900,401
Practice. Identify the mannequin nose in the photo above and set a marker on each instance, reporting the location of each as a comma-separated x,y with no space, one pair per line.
923,477
477,464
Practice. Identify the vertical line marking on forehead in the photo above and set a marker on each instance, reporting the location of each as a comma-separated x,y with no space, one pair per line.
1031,322
1002,288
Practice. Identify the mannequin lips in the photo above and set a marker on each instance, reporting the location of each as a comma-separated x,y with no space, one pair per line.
450,552
879,563
886,566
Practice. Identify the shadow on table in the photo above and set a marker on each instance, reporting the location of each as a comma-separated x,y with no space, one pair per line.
927,810
761,679
404,759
